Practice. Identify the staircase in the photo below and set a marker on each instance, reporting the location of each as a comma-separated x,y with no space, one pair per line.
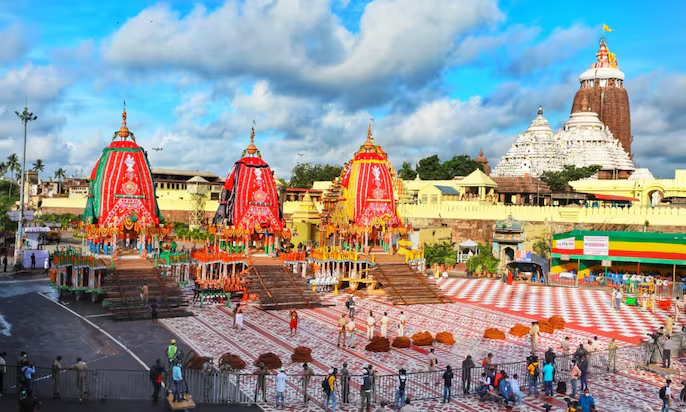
122,291
277,288
404,286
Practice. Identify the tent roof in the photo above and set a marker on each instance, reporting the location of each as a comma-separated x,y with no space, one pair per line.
478,179
468,243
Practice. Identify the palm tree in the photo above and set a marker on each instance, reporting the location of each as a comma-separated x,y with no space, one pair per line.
59,176
38,166
12,166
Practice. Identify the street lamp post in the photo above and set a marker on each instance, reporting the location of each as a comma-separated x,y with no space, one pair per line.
25,117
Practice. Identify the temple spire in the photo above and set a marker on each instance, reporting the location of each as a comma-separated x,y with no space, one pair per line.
252,149
124,130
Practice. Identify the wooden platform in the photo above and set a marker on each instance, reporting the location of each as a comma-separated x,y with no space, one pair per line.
186,404
277,288
403,285
122,291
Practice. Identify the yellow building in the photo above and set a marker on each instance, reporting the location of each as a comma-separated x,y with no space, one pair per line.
642,189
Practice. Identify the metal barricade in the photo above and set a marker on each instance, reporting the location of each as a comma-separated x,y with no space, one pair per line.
231,387
563,279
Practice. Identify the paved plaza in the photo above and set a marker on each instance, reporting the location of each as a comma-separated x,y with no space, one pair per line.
34,322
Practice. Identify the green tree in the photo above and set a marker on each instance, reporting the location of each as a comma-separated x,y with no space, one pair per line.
12,165
559,181
438,253
430,168
304,174
483,261
542,248
59,176
460,165
406,172
38,166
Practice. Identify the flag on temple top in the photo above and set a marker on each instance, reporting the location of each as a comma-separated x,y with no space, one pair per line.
607,29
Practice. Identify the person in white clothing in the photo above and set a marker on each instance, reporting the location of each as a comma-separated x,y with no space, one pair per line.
371,322
281,378
618,300
401,324
612,298
432,360
384,325
350,329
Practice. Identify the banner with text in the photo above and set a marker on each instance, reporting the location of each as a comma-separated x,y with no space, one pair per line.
596,245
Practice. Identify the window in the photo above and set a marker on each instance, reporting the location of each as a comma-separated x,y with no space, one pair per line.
214,196
424,197
434,199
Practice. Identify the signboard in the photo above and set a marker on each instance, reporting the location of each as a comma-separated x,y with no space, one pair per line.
606,263
596,245
523,256
564,258
566,244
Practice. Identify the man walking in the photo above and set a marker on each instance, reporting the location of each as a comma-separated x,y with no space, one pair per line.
371,322
534,332
366,391
307,376
384,325
144,294
172,350
56,371
548,370
447,384
331,392
341,330
612,356
432,360
400,389
350,328
401,324
345,383
156,371
281,378
666,396
33,261
467,366
575,375
670,346
4,263
261,387
177,380
81,377
350,304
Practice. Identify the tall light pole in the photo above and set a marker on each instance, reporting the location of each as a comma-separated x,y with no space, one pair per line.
25,117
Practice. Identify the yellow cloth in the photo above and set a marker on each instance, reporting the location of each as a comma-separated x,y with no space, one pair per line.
607,29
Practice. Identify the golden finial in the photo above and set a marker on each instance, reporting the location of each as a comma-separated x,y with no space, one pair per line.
252,149
369,144
124,131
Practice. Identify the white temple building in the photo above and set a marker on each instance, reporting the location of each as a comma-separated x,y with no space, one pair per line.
583,141
535,152
586,141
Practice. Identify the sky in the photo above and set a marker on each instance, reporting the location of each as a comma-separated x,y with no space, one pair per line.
437,76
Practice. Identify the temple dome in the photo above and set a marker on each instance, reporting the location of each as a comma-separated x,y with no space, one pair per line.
535,152
249,199
122,188
586,141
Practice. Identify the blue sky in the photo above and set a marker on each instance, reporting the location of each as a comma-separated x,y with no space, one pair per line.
438,76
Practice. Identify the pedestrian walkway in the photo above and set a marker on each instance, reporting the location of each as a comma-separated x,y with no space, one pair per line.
73,405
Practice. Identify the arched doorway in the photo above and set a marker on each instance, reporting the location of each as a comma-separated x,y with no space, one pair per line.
655,198
509,253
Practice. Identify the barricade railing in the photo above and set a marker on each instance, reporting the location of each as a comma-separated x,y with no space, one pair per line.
231,387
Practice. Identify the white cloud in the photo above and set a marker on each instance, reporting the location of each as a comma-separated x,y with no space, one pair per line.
14,44
300,46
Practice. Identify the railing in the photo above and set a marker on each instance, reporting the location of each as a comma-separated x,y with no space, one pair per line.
663,289
231,387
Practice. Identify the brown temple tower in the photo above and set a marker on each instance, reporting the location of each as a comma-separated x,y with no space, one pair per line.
602,85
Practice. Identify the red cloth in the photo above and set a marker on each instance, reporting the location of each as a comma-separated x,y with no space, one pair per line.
509,278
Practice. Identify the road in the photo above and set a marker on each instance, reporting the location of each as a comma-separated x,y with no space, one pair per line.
32,320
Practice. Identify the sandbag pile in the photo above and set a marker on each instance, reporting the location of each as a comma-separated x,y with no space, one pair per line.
378,344
270,360
445,337
422,339
302,354
519,330
402,342
493,333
